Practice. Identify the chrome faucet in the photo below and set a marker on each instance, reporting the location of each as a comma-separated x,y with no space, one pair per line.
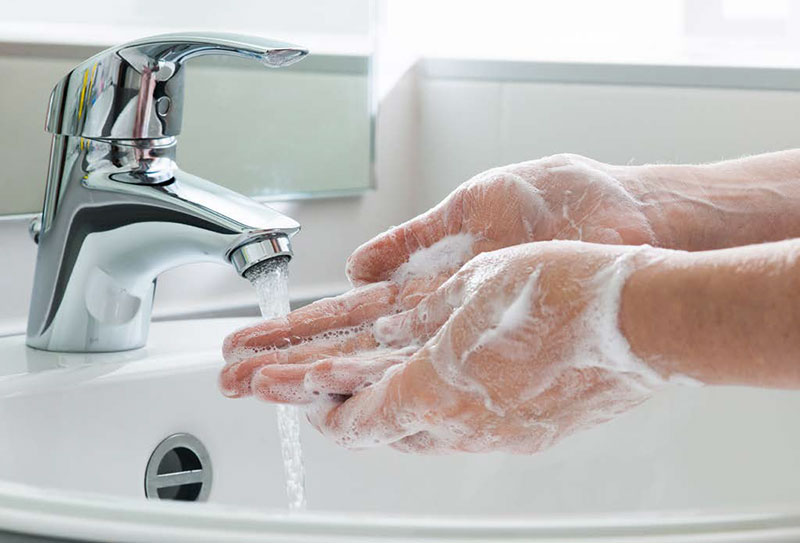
118,211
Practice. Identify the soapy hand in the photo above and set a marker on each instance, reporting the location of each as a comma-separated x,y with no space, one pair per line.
558,197
518,349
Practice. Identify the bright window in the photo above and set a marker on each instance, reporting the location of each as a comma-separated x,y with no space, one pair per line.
718,32
325,26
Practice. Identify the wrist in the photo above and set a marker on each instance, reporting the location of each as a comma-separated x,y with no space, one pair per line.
652,313
605,313
718,317
679,205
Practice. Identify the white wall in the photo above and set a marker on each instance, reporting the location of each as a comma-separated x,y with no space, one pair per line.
468,126
665,32
435,133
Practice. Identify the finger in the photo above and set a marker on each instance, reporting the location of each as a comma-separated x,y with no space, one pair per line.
415,289
305,383
344,376
380,414
284,383
234,379
417,325
349,310
377,259
421,443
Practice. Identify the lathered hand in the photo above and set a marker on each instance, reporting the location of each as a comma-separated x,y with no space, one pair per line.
686,207
517,350
508,353
558,197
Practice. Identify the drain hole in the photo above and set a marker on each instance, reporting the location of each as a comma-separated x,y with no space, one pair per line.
179,459
185,493
179,469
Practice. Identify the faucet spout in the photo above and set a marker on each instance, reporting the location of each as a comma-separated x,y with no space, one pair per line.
115,223
255,251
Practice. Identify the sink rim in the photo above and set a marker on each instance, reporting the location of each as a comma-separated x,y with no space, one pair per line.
56,513
50,512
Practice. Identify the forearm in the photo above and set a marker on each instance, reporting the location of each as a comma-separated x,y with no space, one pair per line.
726,204
730,316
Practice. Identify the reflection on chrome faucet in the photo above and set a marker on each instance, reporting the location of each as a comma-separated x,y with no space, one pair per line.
118,211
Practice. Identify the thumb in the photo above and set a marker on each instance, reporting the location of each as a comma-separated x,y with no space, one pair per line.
378,259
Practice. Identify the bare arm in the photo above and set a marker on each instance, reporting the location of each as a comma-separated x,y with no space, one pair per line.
730,316
726,204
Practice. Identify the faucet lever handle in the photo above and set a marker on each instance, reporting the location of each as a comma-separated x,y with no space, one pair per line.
135,90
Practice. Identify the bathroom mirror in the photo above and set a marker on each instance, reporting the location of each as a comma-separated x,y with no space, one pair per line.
303,131
300,131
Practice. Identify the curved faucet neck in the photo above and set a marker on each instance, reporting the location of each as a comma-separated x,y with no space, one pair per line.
135,90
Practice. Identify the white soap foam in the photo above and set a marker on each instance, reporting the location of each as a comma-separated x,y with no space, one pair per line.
509,318
352,372
447,254
598,343
370,426
603,344
242,352
516,313
339,334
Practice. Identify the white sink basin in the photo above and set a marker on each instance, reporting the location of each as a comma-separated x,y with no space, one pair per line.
82,427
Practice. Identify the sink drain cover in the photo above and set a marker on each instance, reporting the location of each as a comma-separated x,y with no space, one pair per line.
178,469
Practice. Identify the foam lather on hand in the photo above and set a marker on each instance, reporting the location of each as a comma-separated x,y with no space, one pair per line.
603,345
447,254
517,350
437,349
